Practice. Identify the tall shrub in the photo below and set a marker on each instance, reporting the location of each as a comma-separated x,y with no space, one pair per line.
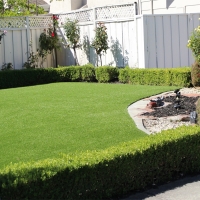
72,32
194,45
100,42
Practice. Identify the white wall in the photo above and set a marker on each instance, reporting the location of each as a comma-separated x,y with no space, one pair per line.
96,3
144,6
57,6
169,6
76,4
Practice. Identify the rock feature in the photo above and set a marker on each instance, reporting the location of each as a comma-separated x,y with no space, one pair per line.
169,116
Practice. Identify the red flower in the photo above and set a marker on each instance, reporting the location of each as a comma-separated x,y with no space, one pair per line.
55,17
52,34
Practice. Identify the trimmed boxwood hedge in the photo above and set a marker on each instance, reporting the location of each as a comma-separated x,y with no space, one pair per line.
28,77
131,166
18,78
107,74
173,76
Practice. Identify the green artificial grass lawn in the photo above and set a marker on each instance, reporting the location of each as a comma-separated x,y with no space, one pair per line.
43,121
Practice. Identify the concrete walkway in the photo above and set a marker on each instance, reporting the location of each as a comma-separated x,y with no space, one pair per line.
135,110
185,189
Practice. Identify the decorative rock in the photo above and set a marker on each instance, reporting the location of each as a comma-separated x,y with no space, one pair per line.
152,104
157,125
160,124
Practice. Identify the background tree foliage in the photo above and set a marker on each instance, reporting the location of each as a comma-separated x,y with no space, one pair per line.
19,8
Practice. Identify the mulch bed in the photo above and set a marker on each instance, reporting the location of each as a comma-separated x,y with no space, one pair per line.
188,104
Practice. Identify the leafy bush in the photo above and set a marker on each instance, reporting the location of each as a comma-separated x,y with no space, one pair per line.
20,78
131,166
107,74
124,75
174,77
195,74
194,43
88,73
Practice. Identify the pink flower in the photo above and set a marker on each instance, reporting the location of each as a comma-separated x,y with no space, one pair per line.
52,34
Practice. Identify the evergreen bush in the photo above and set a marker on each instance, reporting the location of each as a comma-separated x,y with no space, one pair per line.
115,171
124,75
106,74
195,74
174,77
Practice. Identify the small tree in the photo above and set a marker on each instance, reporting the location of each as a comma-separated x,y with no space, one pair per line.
49,40
100,42
194,45
72,32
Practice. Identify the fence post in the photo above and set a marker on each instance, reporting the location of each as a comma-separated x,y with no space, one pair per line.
28,36
94,17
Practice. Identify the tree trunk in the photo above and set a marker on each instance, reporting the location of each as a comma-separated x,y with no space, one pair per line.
100,59
75,57
56,59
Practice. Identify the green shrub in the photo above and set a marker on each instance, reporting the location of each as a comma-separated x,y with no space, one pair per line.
195,74
131,166
20,78
106,74
124,75
88,73
27,77
173,77
194,43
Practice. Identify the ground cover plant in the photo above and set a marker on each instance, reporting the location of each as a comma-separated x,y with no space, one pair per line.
43,121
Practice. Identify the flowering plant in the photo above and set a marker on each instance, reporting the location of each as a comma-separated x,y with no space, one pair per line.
194,43
1,35
48,39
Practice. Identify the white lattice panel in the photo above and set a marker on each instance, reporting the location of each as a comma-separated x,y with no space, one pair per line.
81,16
12,22
115,11
44,21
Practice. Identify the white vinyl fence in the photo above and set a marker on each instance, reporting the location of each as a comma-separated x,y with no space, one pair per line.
162,40
146,41
21,32
119,20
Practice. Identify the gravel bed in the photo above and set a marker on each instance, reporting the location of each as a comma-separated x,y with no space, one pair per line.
163,121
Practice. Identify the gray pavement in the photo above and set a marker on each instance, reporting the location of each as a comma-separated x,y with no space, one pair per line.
184,189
